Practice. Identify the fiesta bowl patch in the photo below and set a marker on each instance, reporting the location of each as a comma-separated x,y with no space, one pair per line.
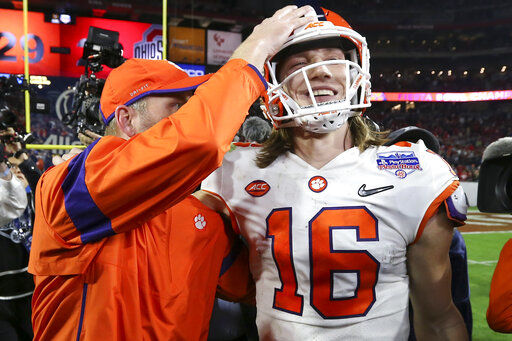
399,164
257,188
317,184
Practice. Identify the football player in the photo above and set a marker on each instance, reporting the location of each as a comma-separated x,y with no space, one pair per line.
341,229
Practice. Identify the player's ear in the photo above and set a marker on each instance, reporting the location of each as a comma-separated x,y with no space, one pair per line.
125,117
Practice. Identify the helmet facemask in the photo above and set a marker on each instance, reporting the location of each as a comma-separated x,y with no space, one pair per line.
332,105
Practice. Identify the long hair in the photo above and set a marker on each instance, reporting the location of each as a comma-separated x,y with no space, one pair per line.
280,141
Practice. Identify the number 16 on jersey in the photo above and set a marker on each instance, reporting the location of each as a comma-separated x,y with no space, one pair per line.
325,261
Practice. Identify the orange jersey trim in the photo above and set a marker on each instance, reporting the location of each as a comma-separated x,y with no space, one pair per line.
247,144
432,209
403,144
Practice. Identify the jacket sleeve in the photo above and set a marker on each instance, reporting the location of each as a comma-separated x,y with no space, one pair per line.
235,280
499,313
116,185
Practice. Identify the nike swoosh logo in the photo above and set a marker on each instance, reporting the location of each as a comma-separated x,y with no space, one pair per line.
363,192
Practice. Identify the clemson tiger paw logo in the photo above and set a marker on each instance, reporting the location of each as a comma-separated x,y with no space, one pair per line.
199,222
317,184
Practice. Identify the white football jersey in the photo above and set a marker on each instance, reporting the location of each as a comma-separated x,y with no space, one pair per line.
328,246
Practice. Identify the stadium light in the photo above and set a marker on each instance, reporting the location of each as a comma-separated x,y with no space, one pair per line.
482,70
503,68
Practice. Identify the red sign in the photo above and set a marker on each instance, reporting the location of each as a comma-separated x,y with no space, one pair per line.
43,36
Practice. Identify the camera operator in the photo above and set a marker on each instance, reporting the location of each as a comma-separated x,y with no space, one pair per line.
20,158
16,284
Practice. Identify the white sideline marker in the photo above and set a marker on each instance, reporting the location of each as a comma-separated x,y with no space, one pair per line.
485,262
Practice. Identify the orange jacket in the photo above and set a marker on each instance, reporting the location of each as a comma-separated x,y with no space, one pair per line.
499,313
113,259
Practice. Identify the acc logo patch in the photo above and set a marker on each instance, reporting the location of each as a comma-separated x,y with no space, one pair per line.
399,164
317,184
257,188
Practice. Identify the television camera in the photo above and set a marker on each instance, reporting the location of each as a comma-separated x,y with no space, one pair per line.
495,181
101,48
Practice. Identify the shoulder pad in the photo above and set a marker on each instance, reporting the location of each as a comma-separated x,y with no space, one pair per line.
457,206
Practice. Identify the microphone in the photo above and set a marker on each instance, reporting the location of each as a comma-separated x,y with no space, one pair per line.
501,147
256,129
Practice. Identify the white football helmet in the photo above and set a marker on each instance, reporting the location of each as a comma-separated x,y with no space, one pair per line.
320,116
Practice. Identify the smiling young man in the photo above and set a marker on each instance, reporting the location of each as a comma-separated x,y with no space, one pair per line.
120,250
341,230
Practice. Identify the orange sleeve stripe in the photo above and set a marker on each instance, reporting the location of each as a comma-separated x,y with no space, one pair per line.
232,216
432,209
403,144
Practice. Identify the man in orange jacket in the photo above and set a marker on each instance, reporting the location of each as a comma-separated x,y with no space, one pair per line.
120,250
499,312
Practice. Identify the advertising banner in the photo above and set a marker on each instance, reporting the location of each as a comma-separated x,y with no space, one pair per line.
186,45
221,46
193,70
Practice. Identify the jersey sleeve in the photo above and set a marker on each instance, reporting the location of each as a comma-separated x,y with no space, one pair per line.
441,186
115,184
499,313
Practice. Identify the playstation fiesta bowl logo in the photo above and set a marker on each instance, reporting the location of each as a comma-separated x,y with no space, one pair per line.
399,164
150,47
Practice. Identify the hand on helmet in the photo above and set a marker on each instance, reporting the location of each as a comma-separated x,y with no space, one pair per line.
268,37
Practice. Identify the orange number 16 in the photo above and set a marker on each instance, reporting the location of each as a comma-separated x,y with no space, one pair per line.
325,261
